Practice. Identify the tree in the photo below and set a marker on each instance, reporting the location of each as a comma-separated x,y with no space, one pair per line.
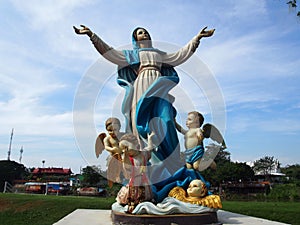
242,172
222,157
227,170
91,175
293,172
11,171
264,166
293,5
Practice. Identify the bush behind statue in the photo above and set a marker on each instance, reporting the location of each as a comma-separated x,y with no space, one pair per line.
284,192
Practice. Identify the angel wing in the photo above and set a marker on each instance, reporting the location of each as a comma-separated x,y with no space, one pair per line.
209,155
210,131
99,145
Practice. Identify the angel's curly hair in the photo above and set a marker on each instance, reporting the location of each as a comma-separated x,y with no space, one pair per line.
112,120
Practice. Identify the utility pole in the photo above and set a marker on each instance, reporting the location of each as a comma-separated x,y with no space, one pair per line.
21,152
9,148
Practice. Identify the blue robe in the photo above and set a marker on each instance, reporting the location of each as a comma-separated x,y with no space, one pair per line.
181,178
154,103
167,171
194,154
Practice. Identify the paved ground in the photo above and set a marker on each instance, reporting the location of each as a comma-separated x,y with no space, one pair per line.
102,217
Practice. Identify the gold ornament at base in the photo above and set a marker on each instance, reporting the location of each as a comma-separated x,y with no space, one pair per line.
211,201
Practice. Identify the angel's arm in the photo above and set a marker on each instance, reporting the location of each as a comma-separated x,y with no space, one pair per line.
109,53
199,134
179,128
108,146
150,146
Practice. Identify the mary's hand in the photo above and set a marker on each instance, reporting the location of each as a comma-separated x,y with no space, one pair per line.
83,30
204,33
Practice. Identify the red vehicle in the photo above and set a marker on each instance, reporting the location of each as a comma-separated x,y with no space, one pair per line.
35,187
47,188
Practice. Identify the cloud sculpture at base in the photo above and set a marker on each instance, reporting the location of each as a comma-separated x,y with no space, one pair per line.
168,206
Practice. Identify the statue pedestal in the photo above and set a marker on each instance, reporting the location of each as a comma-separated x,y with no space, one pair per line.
178,219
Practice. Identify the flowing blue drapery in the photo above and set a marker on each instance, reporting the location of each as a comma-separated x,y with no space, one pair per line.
154,111
194,154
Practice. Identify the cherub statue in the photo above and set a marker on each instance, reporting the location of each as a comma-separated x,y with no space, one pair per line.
196,193
197,189
194,137
135,162
110,143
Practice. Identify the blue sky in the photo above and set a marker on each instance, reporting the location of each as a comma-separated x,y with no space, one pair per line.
55,98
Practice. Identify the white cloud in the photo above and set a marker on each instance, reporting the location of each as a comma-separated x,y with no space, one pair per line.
246,50
42,13
243,10
281,125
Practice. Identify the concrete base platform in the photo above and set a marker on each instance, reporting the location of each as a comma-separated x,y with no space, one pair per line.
180,219
103,217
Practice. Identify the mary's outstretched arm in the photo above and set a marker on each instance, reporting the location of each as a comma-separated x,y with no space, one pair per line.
111,54
188,50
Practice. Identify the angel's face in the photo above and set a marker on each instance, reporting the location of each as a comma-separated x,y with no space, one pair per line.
192,121
195,188
113,130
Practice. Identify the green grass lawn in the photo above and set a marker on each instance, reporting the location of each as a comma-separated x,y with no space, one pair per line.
22,209
285,212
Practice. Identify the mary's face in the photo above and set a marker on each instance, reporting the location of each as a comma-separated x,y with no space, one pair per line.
142,35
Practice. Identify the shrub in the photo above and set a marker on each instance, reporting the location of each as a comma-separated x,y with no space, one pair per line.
286,192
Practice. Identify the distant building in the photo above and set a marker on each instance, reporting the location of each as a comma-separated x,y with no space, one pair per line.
49,180
274,174
51,174
52,171
261,184
47,188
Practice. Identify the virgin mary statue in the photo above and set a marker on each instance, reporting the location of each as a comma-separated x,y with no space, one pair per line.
148,74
